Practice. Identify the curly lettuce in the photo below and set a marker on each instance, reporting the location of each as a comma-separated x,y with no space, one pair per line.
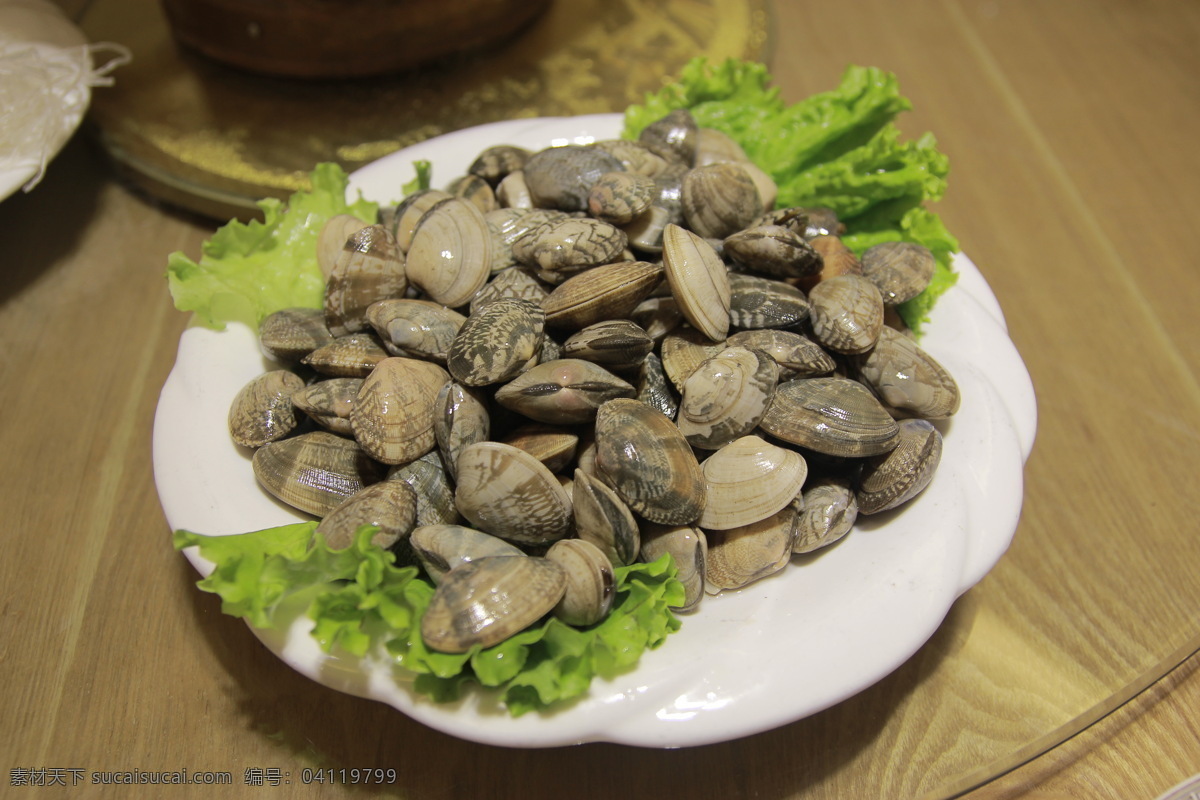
248,270
361,602
839,149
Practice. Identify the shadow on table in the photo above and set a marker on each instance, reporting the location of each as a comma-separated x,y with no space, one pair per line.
321,728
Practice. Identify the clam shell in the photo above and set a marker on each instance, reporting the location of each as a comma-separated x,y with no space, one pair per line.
461,418
369,268
389,505
329,402
474,190
411,210
834,415
552,445
836,259
698,281
562,177
749,480
739,556
485,601
496,342
314,472
497,161
505,491
688,548
616,343
591,585
352,356
647,461
290,334
900,270
450,256
332,239
847,313
756,302
898,476
797,355
511,282
262,410
570,245
634,156
726,397
720,199
773,250
826,512
683,351
393,414
609,291
429,480
564,391
441,548
603,518
674,137
417,328
907,379
653,387
620,197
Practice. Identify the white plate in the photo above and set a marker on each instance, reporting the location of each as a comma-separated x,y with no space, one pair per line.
816,633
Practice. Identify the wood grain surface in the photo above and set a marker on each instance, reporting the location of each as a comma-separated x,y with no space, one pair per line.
1071,129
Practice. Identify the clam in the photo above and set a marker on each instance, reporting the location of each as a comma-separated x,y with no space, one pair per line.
552,445
430,481
826,512
485,601
352,356
393,413
634,156
616,344
774,250
906,379
369,268
511,282
726,397
450,256
834,415
609,291
604,519
564,391
441,548
314,472
460,418
513,191
562,177
475,190
749,480
497,161
505,491
647,461
698,281
290,334
591,586
389,505
410,211
620,197
847,313
797,355
564,246
688,548
417,328
720,199
262,410
658,316
332,239
739,556
653,387
836,259
674,137
329,402
496,342
683,351
756,302
900,270
896,477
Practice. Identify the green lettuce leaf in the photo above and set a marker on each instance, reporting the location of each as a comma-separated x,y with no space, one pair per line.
248,270
361,602
839,149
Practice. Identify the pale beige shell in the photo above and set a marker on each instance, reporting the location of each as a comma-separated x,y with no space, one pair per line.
332,238
461,418
450,256
411,210
510,282
645,459
834,415
688,548
907,379
591,585
314,472
698,280
726,397
328,402
826,510
441,548
290,334
389,505
619,197
262,410
352,356
370,267
900,270
505,491
417,328
749,480
393,414
683,351
553,445
797,355
739,556
485,601
720,199
428,477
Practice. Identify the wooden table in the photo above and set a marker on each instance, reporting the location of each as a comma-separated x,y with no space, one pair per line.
1071,132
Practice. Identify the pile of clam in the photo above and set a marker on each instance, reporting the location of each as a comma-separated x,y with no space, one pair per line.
589,355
